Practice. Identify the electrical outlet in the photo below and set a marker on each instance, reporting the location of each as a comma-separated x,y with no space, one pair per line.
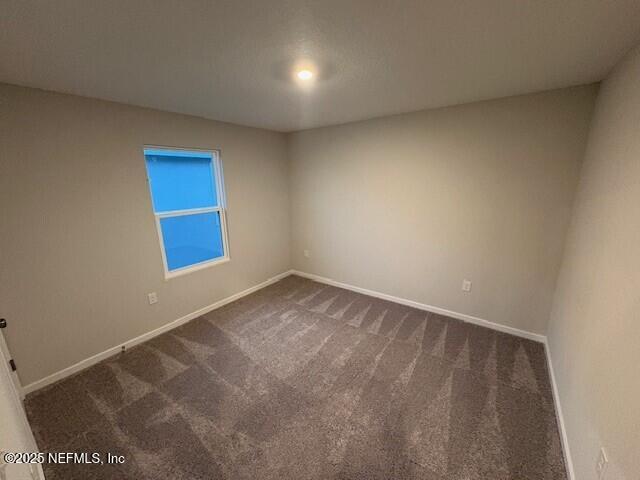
601,464
153,298
466,285
306,254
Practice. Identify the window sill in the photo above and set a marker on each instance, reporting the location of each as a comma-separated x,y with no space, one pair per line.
195,268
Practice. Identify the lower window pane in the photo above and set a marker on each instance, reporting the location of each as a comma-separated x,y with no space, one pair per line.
191,239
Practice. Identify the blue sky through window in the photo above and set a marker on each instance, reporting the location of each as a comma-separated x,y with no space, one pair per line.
182,180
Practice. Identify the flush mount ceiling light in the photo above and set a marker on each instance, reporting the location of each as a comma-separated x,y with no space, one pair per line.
304,74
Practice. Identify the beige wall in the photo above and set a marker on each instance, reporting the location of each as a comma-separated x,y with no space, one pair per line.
411,205
78,244
594,333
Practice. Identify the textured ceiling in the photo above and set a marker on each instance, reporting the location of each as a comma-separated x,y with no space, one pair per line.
231,60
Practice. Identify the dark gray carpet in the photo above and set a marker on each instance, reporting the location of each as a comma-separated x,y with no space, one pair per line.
306,381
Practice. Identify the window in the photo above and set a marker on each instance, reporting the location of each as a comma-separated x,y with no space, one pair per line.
187,195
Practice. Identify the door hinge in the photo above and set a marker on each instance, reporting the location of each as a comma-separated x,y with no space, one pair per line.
13,365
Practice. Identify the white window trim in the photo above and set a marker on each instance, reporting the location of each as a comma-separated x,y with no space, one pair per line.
217,176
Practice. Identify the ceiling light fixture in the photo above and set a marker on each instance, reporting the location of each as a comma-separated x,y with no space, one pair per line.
305,74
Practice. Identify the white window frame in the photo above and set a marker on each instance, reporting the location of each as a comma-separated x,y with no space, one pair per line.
218,178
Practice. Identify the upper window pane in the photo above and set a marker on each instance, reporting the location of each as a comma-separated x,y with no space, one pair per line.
180,179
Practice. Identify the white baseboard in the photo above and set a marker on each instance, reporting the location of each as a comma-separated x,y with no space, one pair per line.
563,432
54,377
429,308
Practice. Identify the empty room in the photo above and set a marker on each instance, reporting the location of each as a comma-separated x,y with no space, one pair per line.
355,239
